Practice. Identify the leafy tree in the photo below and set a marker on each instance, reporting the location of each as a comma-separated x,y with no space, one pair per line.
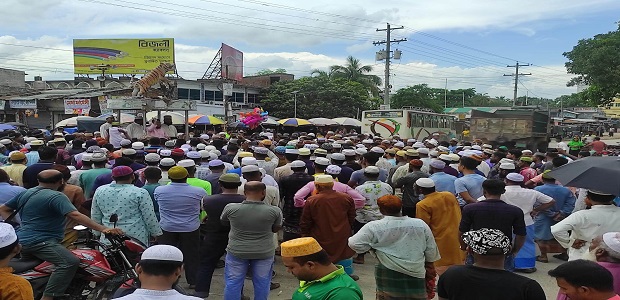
420,95
317,97
353,70
596,62
269,71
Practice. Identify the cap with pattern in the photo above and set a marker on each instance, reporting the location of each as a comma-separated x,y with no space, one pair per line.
261,150
612,240
438,164
245,154
304,151
348,152
412,152
507,166
377,150
177,152
216,163
16,156
7,235
416,163
338,156
194,155
165,152
333,170
516,177
483,240
36,143
401,153
128,152
99,157
300,247
291,151
162,253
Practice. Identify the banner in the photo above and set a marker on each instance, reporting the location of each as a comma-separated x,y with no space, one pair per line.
77,106
23,104
232,63
121,56
103,105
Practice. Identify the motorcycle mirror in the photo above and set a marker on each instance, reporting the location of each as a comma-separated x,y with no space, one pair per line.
79,227
113,218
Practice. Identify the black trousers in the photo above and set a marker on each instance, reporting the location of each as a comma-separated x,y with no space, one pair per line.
189,244
409,211
211,250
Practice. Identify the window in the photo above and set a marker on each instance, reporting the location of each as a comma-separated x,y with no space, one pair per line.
418,120
237,97
253,98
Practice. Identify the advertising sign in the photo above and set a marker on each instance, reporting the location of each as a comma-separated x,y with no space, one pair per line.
23,104
77,106
121,56
232,63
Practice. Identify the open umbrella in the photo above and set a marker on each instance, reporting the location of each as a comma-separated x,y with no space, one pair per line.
71,122
594,172
270,121
4,127
125,118
237,124
323,122
348,122
205,120
294,122
17,124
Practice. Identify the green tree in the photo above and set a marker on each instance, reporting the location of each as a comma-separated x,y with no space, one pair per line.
596,63
317,97
353,70
269,71
420,95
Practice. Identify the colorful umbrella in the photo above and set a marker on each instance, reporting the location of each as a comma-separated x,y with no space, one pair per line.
205,120
294,122
6,127
323,122
348,122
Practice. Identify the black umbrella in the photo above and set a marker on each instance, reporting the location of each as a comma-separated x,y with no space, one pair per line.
601,173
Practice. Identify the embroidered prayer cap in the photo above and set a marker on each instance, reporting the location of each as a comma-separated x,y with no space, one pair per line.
486,241
300,247
162,252
7,235
333,170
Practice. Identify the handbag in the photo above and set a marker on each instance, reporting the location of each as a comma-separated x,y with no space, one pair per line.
9,219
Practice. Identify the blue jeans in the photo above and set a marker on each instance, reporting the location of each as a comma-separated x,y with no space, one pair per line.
236,270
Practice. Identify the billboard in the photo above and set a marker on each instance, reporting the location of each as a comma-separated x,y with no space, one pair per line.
77,106
124,56
232,63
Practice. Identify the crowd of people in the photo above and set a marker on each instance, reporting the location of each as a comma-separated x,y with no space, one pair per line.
451,218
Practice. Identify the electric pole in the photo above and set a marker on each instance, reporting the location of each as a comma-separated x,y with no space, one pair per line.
388,41
516,76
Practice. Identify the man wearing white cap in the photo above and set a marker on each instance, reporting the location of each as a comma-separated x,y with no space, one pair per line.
159,269
11,286
531,202
580,224
290,155
441,212
605,250
261,154
443,182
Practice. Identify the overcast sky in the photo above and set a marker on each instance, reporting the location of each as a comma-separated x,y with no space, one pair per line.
468,42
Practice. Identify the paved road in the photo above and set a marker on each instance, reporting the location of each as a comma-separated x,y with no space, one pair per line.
367,280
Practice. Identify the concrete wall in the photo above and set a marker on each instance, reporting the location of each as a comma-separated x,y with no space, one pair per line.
12,78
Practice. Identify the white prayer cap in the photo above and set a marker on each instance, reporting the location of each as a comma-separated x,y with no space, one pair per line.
507,166
476,147
250,169
186,163
137,145
321,161
246,161
425,183
516,177
438,164
333,170
399,144
7,235
611,239
372,170
506,161
526,151
361,151
162,252
377,150
423,150
298,164
201,146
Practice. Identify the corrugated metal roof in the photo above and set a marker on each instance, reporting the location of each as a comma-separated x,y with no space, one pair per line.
467,110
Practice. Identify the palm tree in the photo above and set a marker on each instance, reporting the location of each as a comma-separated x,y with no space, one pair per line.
352,71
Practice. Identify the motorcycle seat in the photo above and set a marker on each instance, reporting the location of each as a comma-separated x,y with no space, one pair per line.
20,265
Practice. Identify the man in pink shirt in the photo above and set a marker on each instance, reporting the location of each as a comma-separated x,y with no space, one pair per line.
155,130
334,171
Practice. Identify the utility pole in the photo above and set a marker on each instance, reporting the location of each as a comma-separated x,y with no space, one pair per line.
295,99
516,76
445,95
463,99
388,41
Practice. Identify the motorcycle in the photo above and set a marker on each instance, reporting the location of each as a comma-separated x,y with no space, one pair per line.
103,268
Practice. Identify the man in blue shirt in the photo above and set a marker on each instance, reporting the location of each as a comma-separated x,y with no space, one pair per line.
469,186
179,211
443,182
43,213
8,191
564,205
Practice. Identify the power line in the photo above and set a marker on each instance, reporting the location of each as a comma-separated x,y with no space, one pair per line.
516,76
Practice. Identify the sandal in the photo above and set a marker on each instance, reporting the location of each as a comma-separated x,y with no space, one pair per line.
542,259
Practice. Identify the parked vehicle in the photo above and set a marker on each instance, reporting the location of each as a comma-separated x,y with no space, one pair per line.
522,128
